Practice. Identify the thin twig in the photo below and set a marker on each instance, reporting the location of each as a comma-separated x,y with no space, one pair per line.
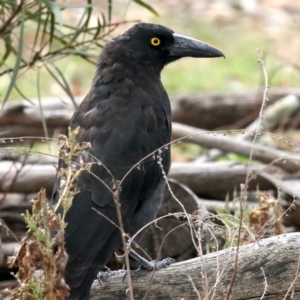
18,171
194,287
265,282
3,224
13,14
123,235
60,52
244,187
158,253
294,281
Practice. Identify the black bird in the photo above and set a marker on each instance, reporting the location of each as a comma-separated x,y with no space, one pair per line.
125,117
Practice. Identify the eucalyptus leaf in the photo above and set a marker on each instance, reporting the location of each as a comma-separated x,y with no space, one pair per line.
17,64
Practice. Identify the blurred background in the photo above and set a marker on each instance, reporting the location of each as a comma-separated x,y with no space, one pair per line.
48,52
237,27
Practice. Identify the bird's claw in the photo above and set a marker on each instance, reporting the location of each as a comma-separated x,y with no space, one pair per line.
157,265
105,272
163,263
153,265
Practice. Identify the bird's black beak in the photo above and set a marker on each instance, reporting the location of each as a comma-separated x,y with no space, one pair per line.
186,46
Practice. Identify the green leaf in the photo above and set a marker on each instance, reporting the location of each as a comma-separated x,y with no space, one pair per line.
82,28
22,95
61,81
147,6
52,29
109,10
8,47
17,64
89,11
56,10
99,27
40,104
37,32
42,22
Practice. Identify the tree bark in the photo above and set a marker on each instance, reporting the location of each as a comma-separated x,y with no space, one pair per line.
269,267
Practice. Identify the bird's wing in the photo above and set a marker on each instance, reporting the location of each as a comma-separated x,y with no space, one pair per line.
122,131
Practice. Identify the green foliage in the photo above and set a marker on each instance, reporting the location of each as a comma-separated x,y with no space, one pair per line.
186,152
147,6
37,288
40,267
234,157
69,150
38,34
41,257
232,220
48,37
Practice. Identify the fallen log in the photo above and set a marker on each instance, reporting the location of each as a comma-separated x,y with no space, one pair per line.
267,269
211,180
15,201
273,116
215,179
19,178
208,111
8,249
286,160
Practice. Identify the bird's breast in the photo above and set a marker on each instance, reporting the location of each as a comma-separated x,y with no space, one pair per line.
125,116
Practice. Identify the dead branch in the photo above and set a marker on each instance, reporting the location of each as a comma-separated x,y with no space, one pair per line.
7,249
19,201
273,116
216,179
212,180
210,111
21,118
286,160
277,256
30,177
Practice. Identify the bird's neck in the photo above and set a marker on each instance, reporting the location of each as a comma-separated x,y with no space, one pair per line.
116,68
140,74
120,80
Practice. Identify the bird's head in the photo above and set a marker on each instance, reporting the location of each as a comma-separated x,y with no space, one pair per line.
158,45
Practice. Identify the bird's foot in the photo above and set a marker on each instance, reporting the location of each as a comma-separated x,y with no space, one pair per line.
157,265
150,266
105,272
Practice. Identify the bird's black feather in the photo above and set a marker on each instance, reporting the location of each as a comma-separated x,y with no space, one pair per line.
125,117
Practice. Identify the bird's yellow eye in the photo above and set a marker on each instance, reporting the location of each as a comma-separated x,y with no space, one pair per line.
155,41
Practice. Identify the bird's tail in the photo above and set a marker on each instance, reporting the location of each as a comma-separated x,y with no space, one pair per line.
80,284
